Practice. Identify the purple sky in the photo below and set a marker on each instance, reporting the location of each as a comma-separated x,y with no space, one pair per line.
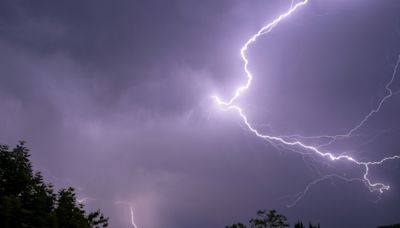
113,98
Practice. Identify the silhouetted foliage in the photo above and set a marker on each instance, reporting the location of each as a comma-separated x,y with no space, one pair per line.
270,220
390,226
312,226
299,225
265,220
27,201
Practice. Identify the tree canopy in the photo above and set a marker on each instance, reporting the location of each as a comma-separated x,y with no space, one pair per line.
270,219
265,219
27,201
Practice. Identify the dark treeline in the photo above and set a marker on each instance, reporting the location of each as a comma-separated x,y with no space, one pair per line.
272,219
27,201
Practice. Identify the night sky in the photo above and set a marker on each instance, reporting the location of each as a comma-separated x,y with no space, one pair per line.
114,98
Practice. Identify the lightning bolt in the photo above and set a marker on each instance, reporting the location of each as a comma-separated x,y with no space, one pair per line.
82,200
301,194
132,220
132,217
390,93
130,210
289,142
350,133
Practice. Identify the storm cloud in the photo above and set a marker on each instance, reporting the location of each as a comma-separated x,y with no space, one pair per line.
113,98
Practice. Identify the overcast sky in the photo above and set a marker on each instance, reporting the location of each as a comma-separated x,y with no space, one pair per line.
113,98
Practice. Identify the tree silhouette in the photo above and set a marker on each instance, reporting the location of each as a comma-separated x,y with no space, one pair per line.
270,220
390,226
299,225
312,226
27,201
265,220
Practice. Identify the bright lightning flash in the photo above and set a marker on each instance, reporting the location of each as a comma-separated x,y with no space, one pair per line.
229,105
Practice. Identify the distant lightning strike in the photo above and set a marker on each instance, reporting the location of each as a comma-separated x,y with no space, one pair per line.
296,144
132,220
132,217
130,210
86,199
